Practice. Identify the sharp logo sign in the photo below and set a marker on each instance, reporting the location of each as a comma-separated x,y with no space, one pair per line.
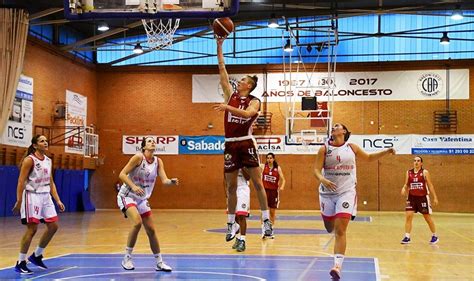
158,139
165,145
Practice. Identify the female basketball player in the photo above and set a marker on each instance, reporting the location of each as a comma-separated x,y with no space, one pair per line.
273,181
337,191
34,190
242,209
139,176
419,185
240,111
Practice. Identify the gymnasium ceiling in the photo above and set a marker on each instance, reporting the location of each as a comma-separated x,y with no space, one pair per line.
50,12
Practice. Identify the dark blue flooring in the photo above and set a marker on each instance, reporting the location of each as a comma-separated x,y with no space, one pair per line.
307,218
199,267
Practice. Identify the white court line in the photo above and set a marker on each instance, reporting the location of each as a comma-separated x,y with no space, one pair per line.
54,272
53,257
247,257
329,242
378,276
194,272
307,269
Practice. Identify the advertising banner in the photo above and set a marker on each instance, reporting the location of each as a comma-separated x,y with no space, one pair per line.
165,145
19,128
348,86
76,115
374,143
201,144
443,144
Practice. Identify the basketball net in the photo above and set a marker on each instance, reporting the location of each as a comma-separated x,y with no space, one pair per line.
160,32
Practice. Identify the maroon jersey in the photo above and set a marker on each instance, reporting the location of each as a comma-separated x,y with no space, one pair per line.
236,126
270,177
417,183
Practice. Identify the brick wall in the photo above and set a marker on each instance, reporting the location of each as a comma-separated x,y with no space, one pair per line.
156,100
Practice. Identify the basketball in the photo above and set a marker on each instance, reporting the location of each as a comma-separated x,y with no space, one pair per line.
223,27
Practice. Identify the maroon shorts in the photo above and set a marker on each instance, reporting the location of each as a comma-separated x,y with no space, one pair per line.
418,204
273,199
238,154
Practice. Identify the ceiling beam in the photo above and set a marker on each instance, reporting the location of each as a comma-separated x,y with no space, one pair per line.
101,36
180,39
45,13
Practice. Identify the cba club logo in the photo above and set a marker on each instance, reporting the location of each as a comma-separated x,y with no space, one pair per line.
430,84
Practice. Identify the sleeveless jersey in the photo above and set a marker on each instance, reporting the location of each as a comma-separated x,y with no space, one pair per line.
339,168
144,176
417,183
270,177
39,178
236,126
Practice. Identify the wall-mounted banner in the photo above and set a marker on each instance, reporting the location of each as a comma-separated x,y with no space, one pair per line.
207,89
443,144
273,143
19,128
350,86
165,145
201,144
76,115
374,143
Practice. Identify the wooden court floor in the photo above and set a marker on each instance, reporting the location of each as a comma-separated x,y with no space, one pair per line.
184,232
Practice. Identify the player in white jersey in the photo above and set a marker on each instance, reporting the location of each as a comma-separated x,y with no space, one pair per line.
34,190
337,191
242,210
139,177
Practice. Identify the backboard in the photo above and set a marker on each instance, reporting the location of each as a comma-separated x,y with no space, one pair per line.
147,9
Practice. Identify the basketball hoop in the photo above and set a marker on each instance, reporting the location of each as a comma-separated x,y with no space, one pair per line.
160,32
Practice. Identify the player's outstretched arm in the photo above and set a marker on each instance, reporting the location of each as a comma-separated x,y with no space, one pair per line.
249,112
361,154
224,77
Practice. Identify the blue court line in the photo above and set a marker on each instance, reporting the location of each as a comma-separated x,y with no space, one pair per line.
308,218
277,231
199,267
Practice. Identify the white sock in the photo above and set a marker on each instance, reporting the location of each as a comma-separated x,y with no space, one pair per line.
39,251
265,215
22,257
434,234
158,257
338,260
128,251
242,237
230,218
407,235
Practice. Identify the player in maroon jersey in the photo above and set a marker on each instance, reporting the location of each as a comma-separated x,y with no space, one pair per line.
418,186
241,109
273,181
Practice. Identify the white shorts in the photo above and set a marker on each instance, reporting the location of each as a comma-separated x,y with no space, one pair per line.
338,206
243,200
142,206
37,207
